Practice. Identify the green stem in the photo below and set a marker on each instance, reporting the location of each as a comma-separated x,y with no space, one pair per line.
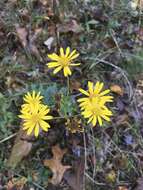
68,86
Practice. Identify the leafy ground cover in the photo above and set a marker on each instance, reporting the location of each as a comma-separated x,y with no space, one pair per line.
72,155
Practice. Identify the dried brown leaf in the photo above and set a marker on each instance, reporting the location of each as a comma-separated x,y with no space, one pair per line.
22,35
55,164
122,188
70,26
16,183
20,149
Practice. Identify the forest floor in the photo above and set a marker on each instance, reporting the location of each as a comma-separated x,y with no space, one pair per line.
72,155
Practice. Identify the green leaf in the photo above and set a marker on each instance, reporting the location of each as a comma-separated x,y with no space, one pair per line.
67,106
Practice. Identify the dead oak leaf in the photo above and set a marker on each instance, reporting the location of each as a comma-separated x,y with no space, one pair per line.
55,164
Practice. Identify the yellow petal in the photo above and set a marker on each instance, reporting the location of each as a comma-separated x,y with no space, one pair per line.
57,69
48,117
90,119
106,118
74,56
62,52
84,92
44,125
82,99
36,131
99,120
67,71
104,92
96,87
25,116
30,129
53,64
53,56
75,64
67,51
87,114
72,53
90,87
33,94
94,121
99,88
26,126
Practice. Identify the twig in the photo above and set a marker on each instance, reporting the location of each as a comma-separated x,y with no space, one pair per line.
37,185
85,155
116,42
90,178
93,147
123,74
8,138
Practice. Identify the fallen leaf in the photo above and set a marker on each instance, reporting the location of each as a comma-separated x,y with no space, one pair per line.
28,40
55,164
49,42
122,188
16,183
22,35
74,85
70,26
117,89
20,149
32,43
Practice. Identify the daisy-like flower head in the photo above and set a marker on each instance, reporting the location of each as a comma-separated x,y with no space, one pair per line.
96,111
94,92
63,61
32,101
34,120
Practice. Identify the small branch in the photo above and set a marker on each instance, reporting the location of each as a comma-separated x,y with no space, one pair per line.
8,138
122,72
116,42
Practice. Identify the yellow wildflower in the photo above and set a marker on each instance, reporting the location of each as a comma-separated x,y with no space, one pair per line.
32,101
96,111
35,119
94,92
63,61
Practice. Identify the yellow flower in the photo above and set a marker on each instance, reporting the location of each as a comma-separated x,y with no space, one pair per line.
63,61
96,111
32,101
35,119
94,92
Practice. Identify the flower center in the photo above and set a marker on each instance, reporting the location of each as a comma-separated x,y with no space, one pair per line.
64,61
94,99
95,105
35,118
